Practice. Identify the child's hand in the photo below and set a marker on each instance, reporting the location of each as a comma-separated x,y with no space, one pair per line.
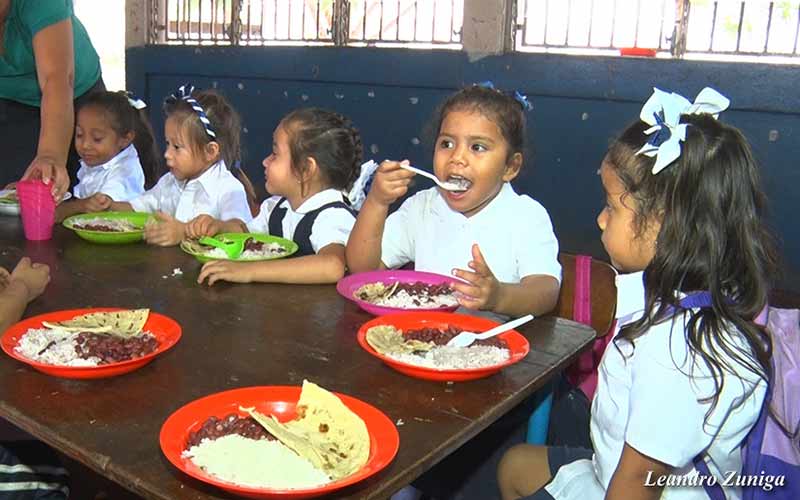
203,225
5,277
481,289
165,231
97,203
34,276
390,182
224,270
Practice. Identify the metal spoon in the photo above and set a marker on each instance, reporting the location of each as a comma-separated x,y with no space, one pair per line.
450,186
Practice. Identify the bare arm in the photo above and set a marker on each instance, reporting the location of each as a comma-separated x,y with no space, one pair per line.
205,225
364,245
635,477
535,295
327,266
53,52
120,206
13,301
21,286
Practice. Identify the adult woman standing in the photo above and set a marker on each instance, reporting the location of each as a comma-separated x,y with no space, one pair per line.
46,60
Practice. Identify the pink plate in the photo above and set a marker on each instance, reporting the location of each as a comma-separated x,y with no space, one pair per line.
279,401
517,344
166,330
348,285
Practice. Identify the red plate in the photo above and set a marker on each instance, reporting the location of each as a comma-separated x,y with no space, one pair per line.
279,401
165,329
517,344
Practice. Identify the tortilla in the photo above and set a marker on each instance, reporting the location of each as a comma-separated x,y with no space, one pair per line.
387,339
374,291
126,323
325,432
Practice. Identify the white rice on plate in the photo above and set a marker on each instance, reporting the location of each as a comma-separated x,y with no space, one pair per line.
255,463
57,346
455,358
269,250
403,300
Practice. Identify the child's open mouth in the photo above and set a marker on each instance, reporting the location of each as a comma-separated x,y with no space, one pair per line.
459,184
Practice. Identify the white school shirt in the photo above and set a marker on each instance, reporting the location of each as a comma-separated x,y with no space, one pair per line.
216,193
646,401
331,226
513,231
121,177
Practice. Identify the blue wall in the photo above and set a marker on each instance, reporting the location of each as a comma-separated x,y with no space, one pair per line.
580,103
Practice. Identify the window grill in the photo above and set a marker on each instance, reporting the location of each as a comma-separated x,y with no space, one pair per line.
410,23
682,28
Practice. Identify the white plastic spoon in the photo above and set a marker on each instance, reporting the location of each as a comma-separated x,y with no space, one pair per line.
465,339
450,186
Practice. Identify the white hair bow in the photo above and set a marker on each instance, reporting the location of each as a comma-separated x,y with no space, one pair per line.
663,113
135,101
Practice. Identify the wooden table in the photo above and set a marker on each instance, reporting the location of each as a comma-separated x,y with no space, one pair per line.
237,336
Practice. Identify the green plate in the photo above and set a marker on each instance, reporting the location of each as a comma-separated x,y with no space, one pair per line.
107,237
195,249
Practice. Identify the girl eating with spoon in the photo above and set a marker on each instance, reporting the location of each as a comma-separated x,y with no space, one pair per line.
464,227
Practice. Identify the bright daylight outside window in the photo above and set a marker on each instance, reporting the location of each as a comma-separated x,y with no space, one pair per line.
409,23
740,30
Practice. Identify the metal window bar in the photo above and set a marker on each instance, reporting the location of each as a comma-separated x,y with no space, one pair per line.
685,28
263,22
341,22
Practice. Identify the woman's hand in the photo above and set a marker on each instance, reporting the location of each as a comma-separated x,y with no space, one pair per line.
165,231
224,270
203,225
390,183
482,288
51,173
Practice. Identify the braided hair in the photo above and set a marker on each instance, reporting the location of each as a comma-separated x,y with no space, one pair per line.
328,137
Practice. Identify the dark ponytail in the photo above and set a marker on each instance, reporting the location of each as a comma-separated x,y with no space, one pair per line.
125,119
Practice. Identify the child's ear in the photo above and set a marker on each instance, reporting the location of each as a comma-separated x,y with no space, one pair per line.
311,169
211,151
513,167
127,139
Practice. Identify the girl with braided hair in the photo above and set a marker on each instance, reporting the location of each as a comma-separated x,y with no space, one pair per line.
315,158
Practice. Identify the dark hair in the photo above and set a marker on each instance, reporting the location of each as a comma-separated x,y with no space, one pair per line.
329,138
225,123
712,238
124,119
498,107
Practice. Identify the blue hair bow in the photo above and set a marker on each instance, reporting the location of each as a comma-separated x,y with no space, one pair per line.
184,93
518,96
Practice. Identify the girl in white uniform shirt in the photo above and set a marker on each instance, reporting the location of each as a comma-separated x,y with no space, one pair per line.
499,243
118,152
316,154
684,379
202,135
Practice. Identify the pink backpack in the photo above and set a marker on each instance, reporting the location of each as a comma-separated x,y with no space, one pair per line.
583,373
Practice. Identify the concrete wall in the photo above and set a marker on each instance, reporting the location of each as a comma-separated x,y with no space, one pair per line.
579,104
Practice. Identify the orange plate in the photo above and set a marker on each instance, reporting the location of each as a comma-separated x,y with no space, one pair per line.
279,401
517,344
165,329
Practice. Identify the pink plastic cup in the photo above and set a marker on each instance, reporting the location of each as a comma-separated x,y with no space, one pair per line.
38,209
